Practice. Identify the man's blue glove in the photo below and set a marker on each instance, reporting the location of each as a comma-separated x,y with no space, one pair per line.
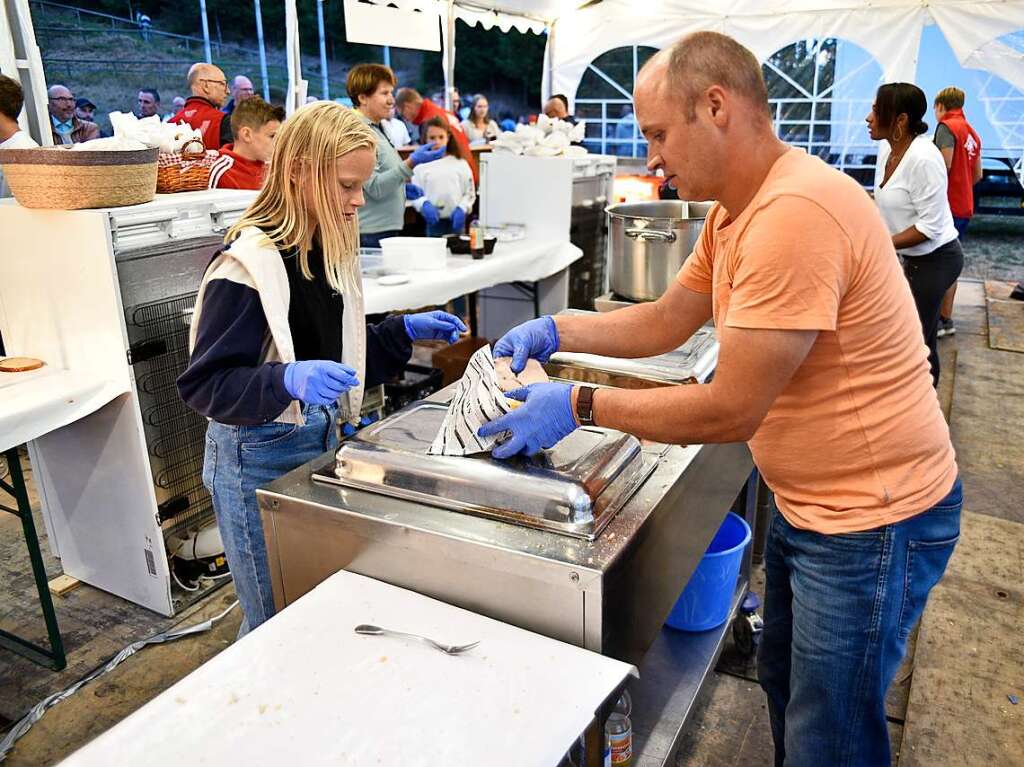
318,382
537,338
426,153
430,213
458,220
437,325
543,420
413,192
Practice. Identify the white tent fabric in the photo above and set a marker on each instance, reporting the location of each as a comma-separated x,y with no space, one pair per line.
888,29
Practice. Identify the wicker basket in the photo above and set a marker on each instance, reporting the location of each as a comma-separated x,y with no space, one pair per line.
187,170
61,179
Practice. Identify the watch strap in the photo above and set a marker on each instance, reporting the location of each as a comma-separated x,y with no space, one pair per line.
585,405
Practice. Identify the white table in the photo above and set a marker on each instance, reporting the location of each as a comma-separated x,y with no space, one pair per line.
522,261
33,404
303,688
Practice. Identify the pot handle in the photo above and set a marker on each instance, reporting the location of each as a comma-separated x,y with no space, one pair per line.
651,235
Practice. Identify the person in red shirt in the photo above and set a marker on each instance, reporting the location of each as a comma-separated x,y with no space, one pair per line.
202,109
243,164
961,149
412,107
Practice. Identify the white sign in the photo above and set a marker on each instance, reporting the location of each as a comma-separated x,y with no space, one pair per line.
380,25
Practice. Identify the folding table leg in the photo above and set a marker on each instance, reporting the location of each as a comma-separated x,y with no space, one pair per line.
54,657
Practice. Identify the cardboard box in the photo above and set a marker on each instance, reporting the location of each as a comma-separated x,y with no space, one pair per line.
452,360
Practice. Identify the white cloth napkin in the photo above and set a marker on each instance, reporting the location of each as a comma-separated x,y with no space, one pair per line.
477,400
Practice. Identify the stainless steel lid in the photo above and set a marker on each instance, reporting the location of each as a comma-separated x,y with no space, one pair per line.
574,488
668,210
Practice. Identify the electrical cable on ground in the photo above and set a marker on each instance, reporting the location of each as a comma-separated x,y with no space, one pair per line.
37,711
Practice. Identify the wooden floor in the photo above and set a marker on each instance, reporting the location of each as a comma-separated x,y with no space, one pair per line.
949,706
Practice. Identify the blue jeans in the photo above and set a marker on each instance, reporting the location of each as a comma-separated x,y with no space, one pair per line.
961,226
372,239
441,228
238,460
837,614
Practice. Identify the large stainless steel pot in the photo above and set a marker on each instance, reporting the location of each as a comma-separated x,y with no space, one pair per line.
648,242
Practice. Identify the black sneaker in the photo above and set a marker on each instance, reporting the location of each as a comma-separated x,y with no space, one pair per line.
946,327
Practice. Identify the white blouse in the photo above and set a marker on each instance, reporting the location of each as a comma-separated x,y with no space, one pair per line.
915,195
480,135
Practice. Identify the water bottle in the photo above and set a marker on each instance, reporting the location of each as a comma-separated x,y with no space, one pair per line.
618,732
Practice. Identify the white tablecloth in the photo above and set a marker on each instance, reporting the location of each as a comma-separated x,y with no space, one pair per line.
37,402
526,261
304,689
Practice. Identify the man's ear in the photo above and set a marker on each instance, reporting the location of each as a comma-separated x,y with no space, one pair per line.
245,134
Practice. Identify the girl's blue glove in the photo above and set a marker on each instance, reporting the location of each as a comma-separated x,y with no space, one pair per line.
430,213
318,382
458,220
544,419
426,153
434,325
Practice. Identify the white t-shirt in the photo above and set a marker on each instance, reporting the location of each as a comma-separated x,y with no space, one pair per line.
448,183
915,195
20,140
396,132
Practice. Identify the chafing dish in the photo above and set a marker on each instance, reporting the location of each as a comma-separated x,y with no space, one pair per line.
574,488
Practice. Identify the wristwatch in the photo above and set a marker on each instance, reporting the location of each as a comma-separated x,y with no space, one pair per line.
585,406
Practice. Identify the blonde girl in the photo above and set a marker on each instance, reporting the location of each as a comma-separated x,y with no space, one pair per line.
279,343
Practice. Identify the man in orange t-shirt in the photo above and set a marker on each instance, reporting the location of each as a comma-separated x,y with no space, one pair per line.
822,371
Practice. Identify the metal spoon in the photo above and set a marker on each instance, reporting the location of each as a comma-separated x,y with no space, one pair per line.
450,649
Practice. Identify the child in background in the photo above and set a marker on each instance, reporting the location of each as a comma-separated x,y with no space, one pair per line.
243,164
447,184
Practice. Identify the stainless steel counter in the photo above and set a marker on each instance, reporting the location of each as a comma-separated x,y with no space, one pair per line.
610,595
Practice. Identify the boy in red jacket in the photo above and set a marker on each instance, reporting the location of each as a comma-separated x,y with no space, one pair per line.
243,164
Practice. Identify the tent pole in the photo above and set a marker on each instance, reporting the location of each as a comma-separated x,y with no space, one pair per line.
325,92
263,49
206,32
449,64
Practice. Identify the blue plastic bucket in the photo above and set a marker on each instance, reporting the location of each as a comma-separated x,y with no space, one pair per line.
704,603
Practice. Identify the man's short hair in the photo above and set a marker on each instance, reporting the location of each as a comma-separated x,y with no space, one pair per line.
951,98
561,97
703,59
152,92
254,113
12,98
405,96
363,80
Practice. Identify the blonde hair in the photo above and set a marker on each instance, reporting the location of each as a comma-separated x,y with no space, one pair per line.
951,98
301,169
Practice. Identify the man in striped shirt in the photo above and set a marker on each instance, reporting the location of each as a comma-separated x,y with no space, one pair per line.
242,164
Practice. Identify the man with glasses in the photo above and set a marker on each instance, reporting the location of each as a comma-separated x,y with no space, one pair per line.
202,109
66,127
241,89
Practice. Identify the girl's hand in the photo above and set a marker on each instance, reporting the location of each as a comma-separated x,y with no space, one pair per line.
458,220
430,213
434,325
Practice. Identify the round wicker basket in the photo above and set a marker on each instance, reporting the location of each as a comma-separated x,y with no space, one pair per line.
61,179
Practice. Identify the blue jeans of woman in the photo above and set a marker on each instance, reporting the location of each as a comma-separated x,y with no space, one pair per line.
238,460
838,611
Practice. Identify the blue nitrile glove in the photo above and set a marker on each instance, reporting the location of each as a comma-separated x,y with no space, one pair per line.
430,213
413,192
458,220
537,338
543,420
426,153
318,382
437,325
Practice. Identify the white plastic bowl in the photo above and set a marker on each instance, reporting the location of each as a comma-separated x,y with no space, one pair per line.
403,254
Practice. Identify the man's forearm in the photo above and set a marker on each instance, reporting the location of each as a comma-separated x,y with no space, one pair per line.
643,330
689,414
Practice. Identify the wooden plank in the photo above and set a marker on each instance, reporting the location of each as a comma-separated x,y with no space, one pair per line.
63,584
